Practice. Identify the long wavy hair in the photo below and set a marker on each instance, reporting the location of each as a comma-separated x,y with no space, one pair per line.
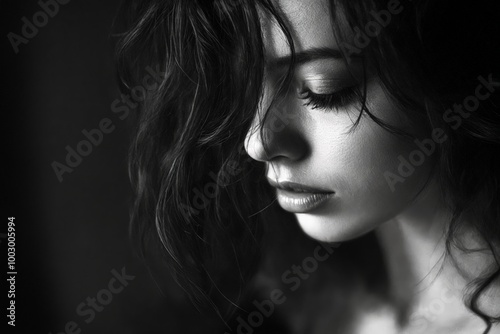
200,200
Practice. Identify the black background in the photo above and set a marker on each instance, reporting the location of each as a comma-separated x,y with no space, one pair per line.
70,235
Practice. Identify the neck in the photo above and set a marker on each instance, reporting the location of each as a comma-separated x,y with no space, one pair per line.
413,244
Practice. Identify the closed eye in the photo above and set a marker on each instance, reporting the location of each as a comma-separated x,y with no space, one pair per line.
327,102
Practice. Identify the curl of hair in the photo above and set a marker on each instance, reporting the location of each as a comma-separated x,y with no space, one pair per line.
186,158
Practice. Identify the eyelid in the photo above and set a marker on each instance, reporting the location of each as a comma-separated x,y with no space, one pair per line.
322,86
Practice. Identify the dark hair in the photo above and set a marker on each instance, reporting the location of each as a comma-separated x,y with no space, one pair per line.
188,142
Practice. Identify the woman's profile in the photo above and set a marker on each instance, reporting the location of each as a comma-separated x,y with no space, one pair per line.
352,118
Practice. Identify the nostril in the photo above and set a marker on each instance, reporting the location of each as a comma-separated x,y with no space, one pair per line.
265,145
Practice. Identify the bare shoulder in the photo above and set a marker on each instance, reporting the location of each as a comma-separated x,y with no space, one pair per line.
384,321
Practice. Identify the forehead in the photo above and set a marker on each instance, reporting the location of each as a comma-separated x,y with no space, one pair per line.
309,23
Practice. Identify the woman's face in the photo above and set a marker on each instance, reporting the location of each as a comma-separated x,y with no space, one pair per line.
327,173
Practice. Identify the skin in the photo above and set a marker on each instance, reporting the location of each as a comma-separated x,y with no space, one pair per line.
316,148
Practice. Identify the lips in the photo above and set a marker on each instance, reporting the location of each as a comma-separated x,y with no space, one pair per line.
299,198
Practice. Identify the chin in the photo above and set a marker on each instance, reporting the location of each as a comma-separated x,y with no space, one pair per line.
332,229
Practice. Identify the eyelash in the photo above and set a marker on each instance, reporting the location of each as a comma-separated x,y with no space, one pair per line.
327,102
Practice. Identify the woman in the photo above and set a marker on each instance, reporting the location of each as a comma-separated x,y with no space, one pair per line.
360,117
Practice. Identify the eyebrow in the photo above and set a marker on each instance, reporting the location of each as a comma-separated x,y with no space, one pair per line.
306,56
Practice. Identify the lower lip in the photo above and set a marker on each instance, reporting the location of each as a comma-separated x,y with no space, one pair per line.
297,202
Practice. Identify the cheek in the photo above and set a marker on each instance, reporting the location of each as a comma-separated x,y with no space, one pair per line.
359,164
356,165
359,158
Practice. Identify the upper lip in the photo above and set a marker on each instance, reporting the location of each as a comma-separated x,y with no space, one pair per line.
297,187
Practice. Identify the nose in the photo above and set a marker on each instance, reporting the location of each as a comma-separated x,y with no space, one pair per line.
276,134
